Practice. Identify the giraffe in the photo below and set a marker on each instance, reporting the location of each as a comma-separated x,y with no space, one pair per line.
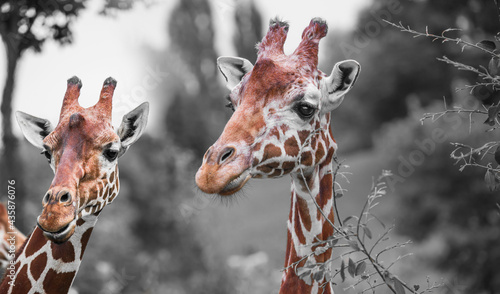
281,125
82,150
11,239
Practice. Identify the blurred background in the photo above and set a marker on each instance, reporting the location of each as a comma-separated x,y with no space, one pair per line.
164,236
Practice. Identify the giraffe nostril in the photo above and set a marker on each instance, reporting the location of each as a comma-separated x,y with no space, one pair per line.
65,198
46,198
226,154
207,154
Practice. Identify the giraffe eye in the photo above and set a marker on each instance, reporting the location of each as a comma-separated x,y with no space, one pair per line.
111,154
47,155
305,110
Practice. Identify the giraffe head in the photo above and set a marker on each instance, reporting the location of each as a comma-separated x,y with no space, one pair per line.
82,150
282,105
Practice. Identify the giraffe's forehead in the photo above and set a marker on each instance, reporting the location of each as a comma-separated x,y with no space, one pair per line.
278,81
270,80
86,125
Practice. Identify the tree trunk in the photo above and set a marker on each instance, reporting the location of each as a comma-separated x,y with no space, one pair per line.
11,166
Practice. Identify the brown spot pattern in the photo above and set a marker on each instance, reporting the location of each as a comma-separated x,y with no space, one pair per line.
320,152
271,151
33,246
303,136
303,211
291,147
79,222
23,276
37,266
64,251
265,169
288,165
58,282
306,158
85,240
112,197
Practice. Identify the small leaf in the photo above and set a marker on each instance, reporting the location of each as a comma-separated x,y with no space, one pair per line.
318,276
368,233
492,114
364,277
416,287
301,272
493,66
354,245
328,275
491,181
351,268
497,154
320,250
309,263
398,287
332,241
487,44
360,268
307,280
339,195
347,218
342,270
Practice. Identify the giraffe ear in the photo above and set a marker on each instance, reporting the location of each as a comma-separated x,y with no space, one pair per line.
34,129
132,126
233,69
343,77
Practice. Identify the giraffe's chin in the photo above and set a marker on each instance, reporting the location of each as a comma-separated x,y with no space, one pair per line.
62,235
236,184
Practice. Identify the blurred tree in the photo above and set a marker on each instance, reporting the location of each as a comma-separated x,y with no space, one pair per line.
248,22
27,24
390,73
196,115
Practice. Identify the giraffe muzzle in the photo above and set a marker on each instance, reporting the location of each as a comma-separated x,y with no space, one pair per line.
60,236
224,171
236,184
59,215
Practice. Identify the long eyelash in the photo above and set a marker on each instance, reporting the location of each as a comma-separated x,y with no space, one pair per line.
230,104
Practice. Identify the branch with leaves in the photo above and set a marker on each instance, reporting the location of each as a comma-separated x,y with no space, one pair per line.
468,156
359,250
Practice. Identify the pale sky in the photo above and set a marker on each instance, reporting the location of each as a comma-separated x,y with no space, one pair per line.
114,46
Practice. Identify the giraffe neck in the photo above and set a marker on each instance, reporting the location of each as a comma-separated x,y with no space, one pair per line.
46,267
306,224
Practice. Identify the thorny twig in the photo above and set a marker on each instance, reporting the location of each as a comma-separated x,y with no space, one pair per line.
377,191
441,37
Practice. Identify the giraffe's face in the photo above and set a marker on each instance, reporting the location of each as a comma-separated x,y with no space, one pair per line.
83,152
281,120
